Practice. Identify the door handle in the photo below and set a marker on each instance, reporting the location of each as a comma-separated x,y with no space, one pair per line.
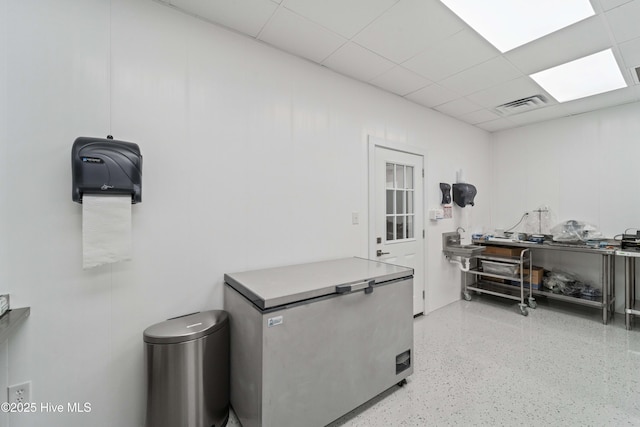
367,285
380,253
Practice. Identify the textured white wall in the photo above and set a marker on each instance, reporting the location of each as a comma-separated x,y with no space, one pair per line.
582,167
252,158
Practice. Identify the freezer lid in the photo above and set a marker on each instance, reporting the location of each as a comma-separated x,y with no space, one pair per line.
273,287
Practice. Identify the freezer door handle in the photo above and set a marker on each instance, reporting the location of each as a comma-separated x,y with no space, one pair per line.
367,285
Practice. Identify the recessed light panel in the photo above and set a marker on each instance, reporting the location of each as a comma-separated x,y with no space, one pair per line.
507,24
583,77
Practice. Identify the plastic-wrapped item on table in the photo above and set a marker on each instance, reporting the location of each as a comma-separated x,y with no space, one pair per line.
560,282
575,231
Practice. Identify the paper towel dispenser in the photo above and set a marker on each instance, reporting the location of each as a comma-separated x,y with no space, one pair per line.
106,166
463,194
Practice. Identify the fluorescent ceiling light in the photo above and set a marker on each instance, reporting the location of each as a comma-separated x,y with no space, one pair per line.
583,77
511,23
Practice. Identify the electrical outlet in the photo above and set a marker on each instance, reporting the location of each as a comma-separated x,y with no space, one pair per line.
19,393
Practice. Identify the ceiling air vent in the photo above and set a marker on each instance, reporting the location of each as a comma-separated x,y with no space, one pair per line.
636,74
521,105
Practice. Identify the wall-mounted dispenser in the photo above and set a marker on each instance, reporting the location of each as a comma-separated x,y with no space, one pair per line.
446,193
436,214
463,194
106,166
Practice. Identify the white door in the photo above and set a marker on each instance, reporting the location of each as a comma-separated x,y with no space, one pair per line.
398,204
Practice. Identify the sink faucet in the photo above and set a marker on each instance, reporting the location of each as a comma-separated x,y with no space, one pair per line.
460,228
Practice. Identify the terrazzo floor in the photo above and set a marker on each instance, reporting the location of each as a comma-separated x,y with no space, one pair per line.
481,363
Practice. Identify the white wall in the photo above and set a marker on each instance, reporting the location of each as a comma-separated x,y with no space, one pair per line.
582,167
4,196
252,158
446,156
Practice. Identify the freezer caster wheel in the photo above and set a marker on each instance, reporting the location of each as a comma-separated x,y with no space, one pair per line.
402,383
524,311
467,296
532,303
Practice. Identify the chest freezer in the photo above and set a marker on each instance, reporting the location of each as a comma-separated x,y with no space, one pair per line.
311,342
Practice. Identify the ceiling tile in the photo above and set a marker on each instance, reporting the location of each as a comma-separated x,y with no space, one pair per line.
457,107
479,117
408,28
297,35
482,76
623,21
546,113
575,41
610,4
432,95
496,125
603,100
502,93
246,16
358,62
630,52
345,17
420,50
452,55
400,81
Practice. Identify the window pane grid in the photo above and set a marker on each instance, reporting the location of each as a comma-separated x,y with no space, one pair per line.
400,209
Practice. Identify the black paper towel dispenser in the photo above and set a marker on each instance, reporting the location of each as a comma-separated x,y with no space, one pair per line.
106,166
463,194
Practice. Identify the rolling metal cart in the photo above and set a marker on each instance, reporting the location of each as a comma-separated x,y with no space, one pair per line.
504,270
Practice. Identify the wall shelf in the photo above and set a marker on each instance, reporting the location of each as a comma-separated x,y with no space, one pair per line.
11,320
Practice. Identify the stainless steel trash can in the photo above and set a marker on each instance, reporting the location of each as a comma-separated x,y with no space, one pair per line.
187,363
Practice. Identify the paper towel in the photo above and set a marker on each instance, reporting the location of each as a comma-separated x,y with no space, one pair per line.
465,223
106,229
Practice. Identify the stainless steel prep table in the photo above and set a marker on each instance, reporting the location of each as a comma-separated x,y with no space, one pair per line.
630,302
606,303
311,342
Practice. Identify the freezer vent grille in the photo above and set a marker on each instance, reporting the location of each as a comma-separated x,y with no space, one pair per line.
521,105
403,361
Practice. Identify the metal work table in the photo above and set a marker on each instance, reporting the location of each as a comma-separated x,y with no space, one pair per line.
606,303
629,285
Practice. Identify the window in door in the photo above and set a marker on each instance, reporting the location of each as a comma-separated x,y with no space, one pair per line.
400,212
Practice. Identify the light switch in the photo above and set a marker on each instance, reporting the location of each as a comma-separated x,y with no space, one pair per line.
355,218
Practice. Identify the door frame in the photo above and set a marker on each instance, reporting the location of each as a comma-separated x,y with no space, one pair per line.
373,142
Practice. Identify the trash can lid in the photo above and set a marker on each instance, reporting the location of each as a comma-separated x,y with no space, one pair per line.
186,328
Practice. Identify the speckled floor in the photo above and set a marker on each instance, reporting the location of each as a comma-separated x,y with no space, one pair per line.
482,363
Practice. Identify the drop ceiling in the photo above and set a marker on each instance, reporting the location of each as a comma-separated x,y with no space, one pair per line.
420,50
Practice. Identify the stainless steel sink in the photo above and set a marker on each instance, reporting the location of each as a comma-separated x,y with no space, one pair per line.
465,251
451,246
